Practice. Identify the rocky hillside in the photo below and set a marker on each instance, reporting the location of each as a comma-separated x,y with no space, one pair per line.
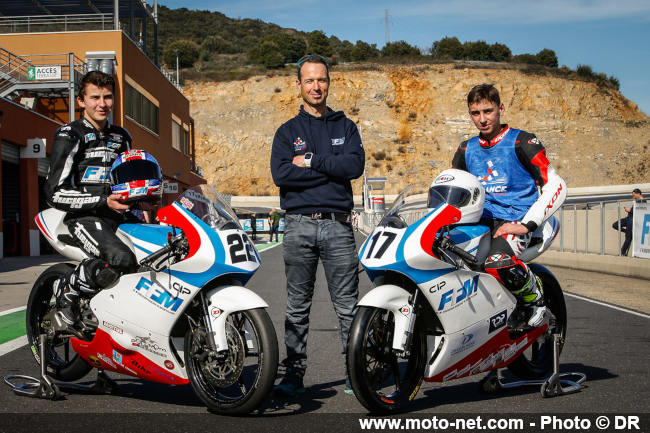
412,119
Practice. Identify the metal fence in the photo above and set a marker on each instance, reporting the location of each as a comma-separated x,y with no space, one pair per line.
587,228
55,23
584,228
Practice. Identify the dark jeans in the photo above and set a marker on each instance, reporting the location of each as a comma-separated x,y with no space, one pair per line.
305,241
276,230
626,227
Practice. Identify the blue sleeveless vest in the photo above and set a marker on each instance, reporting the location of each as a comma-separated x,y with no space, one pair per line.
510,190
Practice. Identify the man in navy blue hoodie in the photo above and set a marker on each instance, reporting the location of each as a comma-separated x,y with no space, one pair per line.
315,155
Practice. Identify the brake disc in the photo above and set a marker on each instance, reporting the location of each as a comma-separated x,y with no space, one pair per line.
224,372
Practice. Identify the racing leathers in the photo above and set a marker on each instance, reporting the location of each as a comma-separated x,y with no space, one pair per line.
511,166
78,184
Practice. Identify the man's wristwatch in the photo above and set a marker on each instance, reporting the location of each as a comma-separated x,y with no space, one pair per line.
308,157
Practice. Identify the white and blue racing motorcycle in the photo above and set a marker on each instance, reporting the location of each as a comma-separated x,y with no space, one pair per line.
183,317
434,314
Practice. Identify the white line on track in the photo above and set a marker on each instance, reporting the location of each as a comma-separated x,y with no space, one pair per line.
13,310
608,305
13,345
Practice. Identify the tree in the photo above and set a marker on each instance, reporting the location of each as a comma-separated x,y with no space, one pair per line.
291,47
529,59
344,50
547,57
217,44
319,43
478,50
500,53
400,48
449,48
364,51
187,54
267,53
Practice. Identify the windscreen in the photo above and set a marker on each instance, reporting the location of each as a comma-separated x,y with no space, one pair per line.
206,204
409,206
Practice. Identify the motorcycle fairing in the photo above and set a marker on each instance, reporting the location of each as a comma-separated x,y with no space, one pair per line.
410,248
462,294
105,353
147,298
144,239
475,239
50,223
207,258
542,239
495,353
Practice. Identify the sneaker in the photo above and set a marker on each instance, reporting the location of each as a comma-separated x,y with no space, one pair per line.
348,387
291,383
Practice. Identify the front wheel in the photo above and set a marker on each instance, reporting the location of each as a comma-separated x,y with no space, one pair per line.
536,362
237,382
62,362
382,381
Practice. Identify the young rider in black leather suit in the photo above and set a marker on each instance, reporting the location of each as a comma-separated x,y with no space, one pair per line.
78,183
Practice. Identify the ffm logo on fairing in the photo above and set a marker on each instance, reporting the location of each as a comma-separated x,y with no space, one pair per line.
469,288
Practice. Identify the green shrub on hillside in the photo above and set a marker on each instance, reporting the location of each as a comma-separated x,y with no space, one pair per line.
187,54
400,49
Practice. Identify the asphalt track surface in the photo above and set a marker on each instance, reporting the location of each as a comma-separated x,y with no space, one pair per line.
609,345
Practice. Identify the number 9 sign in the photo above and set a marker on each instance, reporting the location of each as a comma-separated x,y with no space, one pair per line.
35,148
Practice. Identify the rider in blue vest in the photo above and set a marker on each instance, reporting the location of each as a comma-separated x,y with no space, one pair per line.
511,164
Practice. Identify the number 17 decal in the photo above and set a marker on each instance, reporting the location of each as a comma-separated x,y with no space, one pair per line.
390,237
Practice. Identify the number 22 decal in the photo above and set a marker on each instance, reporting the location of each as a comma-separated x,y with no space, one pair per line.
241,249
390,237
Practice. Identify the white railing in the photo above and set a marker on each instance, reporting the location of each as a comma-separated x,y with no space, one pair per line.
587,227
55,23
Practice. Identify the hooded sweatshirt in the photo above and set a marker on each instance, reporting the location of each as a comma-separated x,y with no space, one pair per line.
338,157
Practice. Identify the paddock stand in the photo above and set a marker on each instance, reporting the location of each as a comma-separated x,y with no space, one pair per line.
551,387
44,387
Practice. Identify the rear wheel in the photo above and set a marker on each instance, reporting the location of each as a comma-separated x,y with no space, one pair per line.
536,362
382,381
63,363
238,382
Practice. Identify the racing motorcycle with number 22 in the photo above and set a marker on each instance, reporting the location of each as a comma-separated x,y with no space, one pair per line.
434,314
183,317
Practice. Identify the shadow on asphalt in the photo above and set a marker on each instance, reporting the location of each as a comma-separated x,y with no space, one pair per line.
310,401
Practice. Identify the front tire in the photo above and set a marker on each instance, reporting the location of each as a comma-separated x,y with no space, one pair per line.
536,362
62,362
382,381
240,383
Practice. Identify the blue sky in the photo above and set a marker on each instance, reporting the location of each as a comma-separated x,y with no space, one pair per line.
612,37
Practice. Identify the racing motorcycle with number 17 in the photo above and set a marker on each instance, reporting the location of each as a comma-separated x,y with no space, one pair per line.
435,314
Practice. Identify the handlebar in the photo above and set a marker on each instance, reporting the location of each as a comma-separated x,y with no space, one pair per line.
448,244
173,244
463,254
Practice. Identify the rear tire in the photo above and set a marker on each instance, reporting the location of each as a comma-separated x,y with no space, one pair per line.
537,361
382,381
240,383
62,362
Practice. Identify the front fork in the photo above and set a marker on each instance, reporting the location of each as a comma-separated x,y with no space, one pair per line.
409,331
